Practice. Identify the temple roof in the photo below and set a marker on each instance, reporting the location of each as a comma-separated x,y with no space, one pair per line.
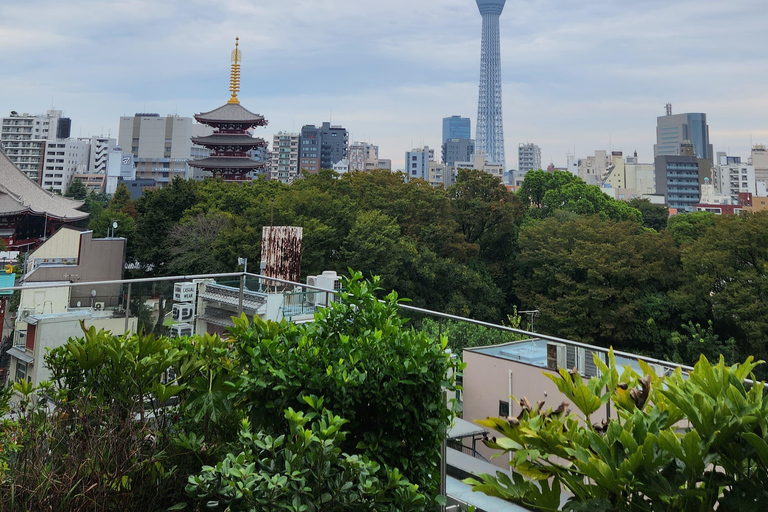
221,139
224,163
19,194
231,113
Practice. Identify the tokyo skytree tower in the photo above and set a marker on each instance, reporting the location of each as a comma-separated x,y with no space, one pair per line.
490,124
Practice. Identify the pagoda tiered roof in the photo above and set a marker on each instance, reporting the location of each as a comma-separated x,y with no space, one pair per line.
19,195
223,163
231,113
224,139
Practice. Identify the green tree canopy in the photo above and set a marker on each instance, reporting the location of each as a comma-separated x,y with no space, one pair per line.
76,189
655,216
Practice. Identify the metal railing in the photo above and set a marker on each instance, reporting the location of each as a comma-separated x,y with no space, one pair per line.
239,280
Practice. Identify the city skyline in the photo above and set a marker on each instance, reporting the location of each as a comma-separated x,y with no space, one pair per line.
577,77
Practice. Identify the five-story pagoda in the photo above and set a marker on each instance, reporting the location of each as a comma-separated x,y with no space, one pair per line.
230,142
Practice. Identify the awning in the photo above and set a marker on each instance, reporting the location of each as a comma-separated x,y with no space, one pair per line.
463,428
21,355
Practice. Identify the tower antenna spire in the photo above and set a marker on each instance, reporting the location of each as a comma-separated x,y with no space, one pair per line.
234,80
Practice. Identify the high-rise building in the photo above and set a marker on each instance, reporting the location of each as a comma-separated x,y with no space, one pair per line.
417,163
489,138
310,149
528,157
24,137
458,150
161,146
456,127
285,157
64,158
677,179
335,145
100,150
672,130
760,162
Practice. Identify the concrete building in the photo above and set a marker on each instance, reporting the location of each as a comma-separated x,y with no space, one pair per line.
69,256
519,369
457,150
24,139
285,157
673,130
441,175
363,156
335,145
593,168
480,163
528,157
677,179
341,166
417,163
119,168
310,149
162,146
64,158
100,150
628,178
384,163
456,127
732,179
759,161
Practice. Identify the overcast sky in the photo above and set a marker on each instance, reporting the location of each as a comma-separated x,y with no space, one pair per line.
577,75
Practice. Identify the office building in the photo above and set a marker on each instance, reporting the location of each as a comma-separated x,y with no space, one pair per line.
489,139
24,137
677,179
734,178
480,163
458,150
528,157
284,166
161,146
672,130
456,127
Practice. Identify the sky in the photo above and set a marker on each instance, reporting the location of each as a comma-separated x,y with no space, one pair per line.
578,76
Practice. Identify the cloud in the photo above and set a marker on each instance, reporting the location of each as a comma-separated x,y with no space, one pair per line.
577,75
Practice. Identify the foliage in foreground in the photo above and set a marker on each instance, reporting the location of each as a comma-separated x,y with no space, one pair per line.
676,443
346,413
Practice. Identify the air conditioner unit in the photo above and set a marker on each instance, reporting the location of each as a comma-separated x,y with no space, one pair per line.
25,313
184,292
311,296
179,330
183,312
98,306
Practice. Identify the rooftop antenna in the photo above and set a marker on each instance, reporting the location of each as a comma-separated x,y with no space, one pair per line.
234,79
668,108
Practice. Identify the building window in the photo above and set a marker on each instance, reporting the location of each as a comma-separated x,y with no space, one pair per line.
21,370
503,408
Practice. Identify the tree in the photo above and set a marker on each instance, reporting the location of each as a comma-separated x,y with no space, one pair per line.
596,281
190,244
689,227
76,189
726,272
677,443
122,201
538,183
655,216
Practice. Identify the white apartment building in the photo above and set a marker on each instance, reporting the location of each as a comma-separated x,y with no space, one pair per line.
759,161
162,146
63,159
731,179
441,175
417,163
24,137
528,157
284,165
593,168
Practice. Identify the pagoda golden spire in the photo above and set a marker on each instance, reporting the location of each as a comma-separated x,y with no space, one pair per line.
234,80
